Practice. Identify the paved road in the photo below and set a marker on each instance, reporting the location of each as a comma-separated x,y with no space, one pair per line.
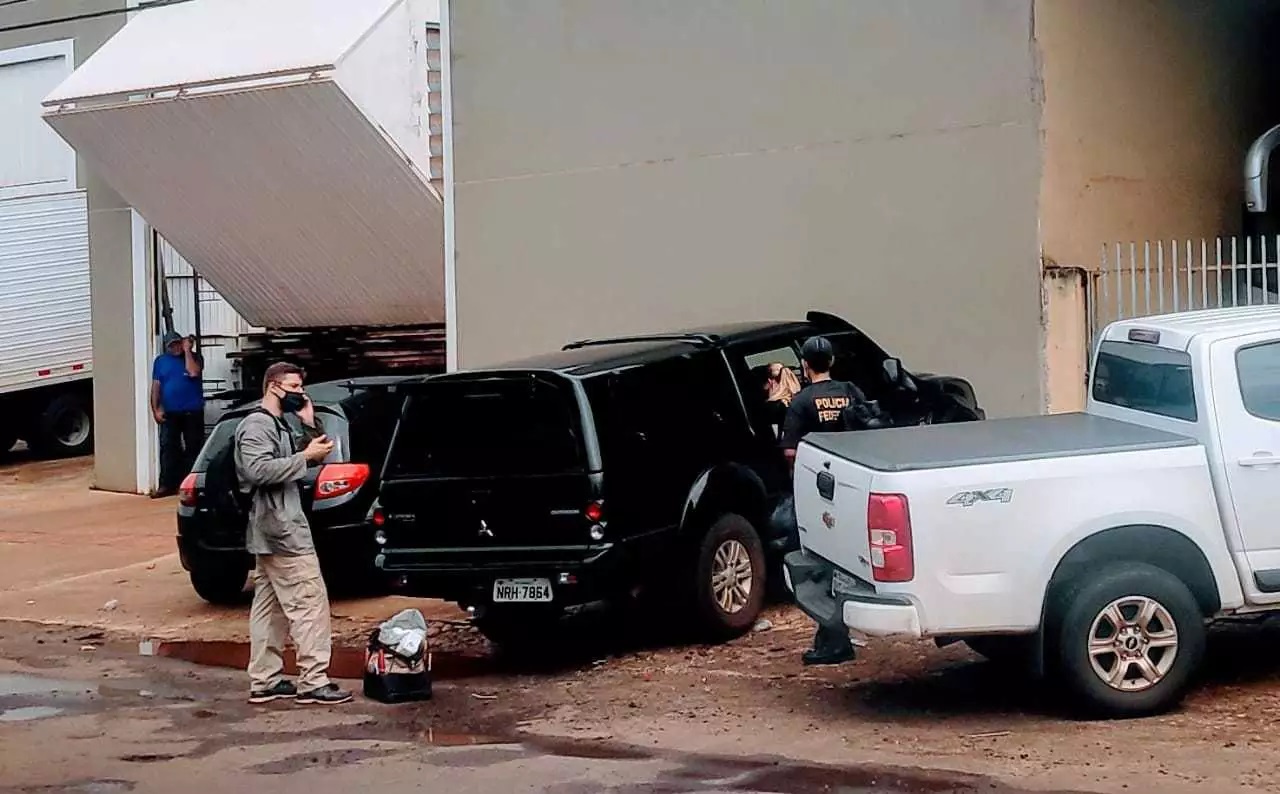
78,719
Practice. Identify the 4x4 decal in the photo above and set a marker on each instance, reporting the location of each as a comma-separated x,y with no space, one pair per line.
971,498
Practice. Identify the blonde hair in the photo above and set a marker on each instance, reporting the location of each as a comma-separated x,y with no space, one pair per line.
786,386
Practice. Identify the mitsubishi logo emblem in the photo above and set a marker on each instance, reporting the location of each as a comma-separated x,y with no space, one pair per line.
485,532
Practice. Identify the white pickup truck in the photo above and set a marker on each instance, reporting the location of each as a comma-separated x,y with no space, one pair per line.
1094,547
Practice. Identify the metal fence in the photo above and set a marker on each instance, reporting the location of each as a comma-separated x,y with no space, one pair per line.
1139,279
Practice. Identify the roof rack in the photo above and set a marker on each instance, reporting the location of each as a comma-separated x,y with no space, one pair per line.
701,340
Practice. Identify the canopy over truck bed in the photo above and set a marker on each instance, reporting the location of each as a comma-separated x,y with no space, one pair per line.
281,147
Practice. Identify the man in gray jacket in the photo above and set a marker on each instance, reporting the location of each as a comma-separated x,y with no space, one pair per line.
289,596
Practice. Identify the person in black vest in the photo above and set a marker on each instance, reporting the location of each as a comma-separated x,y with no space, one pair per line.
821,406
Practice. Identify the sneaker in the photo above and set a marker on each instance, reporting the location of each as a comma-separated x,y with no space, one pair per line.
327,695
284,689
820,656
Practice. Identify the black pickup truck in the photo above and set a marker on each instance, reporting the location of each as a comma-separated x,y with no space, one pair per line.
614,467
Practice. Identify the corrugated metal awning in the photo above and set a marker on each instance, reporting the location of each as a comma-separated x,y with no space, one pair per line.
288,165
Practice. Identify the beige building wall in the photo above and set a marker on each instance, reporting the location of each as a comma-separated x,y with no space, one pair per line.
1148,108
110,252
625,167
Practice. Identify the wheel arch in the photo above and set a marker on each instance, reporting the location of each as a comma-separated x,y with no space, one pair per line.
1153,544
727,488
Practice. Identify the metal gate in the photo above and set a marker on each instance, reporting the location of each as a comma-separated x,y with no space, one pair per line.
1140,279
195,307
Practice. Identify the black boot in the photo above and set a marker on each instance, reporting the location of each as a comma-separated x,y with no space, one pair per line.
830,646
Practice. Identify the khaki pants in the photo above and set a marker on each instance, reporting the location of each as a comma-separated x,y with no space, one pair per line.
289,599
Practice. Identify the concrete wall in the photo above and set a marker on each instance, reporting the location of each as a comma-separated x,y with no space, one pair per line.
110,252
623,166
1149,106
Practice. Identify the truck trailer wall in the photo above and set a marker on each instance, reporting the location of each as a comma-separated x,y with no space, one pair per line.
110,251
622,167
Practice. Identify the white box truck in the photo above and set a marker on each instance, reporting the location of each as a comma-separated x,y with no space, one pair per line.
46,345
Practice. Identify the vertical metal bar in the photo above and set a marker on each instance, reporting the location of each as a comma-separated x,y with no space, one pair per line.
1248,271
1266,296
195,306
1235,261
1133,280
1177,304
1204,273
1119,284
1218,248
1102,280
1146,271
1089,311
1160,272
1191,302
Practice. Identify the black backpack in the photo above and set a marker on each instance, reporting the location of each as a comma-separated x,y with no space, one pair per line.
222,482
864,415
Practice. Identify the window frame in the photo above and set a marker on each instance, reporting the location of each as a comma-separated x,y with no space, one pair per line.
1194,418
1240,382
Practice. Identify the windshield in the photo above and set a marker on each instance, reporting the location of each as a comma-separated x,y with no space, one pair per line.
1146,378
515,425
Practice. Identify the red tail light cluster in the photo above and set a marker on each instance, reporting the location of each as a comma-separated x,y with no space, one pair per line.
340,479
889,536
187,491
594,512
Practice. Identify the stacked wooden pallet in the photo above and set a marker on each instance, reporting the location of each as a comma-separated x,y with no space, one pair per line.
335,353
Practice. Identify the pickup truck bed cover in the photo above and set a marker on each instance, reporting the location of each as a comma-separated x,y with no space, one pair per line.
993,441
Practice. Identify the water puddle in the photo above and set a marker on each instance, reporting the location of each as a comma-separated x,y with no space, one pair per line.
28,713
345,663
24,698
436,738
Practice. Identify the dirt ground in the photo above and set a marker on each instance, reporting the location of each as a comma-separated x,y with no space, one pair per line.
73,556
614,688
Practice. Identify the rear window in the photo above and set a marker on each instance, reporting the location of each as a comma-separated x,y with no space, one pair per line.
1146,378
518,426
222,435
372,414
335,427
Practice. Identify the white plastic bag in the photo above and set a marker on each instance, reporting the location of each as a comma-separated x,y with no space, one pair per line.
404,633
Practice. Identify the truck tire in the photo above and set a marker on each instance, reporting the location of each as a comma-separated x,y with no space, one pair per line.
220,583
64,428
1127,639
728,581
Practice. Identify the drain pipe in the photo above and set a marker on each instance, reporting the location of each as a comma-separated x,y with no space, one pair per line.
1256,163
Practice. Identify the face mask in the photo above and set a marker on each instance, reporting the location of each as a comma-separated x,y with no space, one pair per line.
293,401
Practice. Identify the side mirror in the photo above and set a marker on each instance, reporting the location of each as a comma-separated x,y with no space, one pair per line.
898,376
893,370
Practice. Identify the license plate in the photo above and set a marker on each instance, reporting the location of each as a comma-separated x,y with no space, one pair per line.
843,584
523,591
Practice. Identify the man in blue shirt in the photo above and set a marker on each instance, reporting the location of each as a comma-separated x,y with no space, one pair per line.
177,403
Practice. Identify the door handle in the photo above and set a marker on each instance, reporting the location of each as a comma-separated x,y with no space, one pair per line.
1257,461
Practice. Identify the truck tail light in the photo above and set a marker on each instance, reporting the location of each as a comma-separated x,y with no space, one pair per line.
340,479
889,538
187,491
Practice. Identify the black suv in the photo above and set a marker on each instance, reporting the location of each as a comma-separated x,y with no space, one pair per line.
360,416
616,467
